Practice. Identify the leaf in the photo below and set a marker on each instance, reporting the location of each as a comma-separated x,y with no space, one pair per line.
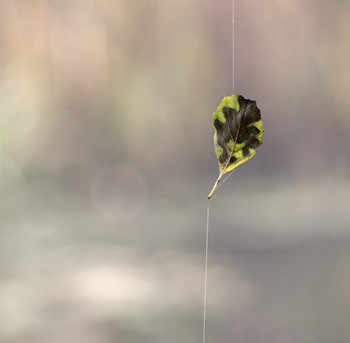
238,133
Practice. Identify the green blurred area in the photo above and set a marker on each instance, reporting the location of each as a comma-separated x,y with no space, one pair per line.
106,156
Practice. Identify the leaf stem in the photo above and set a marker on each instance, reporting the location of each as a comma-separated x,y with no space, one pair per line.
216,184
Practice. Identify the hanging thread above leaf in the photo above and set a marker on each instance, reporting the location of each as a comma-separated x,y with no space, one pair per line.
238,133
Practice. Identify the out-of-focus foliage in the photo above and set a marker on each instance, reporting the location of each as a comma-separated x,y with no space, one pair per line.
105,123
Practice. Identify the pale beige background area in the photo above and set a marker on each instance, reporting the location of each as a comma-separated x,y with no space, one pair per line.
106,156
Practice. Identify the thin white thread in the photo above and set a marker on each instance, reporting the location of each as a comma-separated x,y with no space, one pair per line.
219,185
206,277
233,45
207,232
233,67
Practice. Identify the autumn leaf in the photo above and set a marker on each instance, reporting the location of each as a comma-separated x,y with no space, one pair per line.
238,133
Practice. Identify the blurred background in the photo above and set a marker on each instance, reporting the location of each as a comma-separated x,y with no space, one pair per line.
106,156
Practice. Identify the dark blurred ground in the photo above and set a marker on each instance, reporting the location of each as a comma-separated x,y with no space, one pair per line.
106,157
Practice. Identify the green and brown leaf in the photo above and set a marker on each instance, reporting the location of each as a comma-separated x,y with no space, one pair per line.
238,133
